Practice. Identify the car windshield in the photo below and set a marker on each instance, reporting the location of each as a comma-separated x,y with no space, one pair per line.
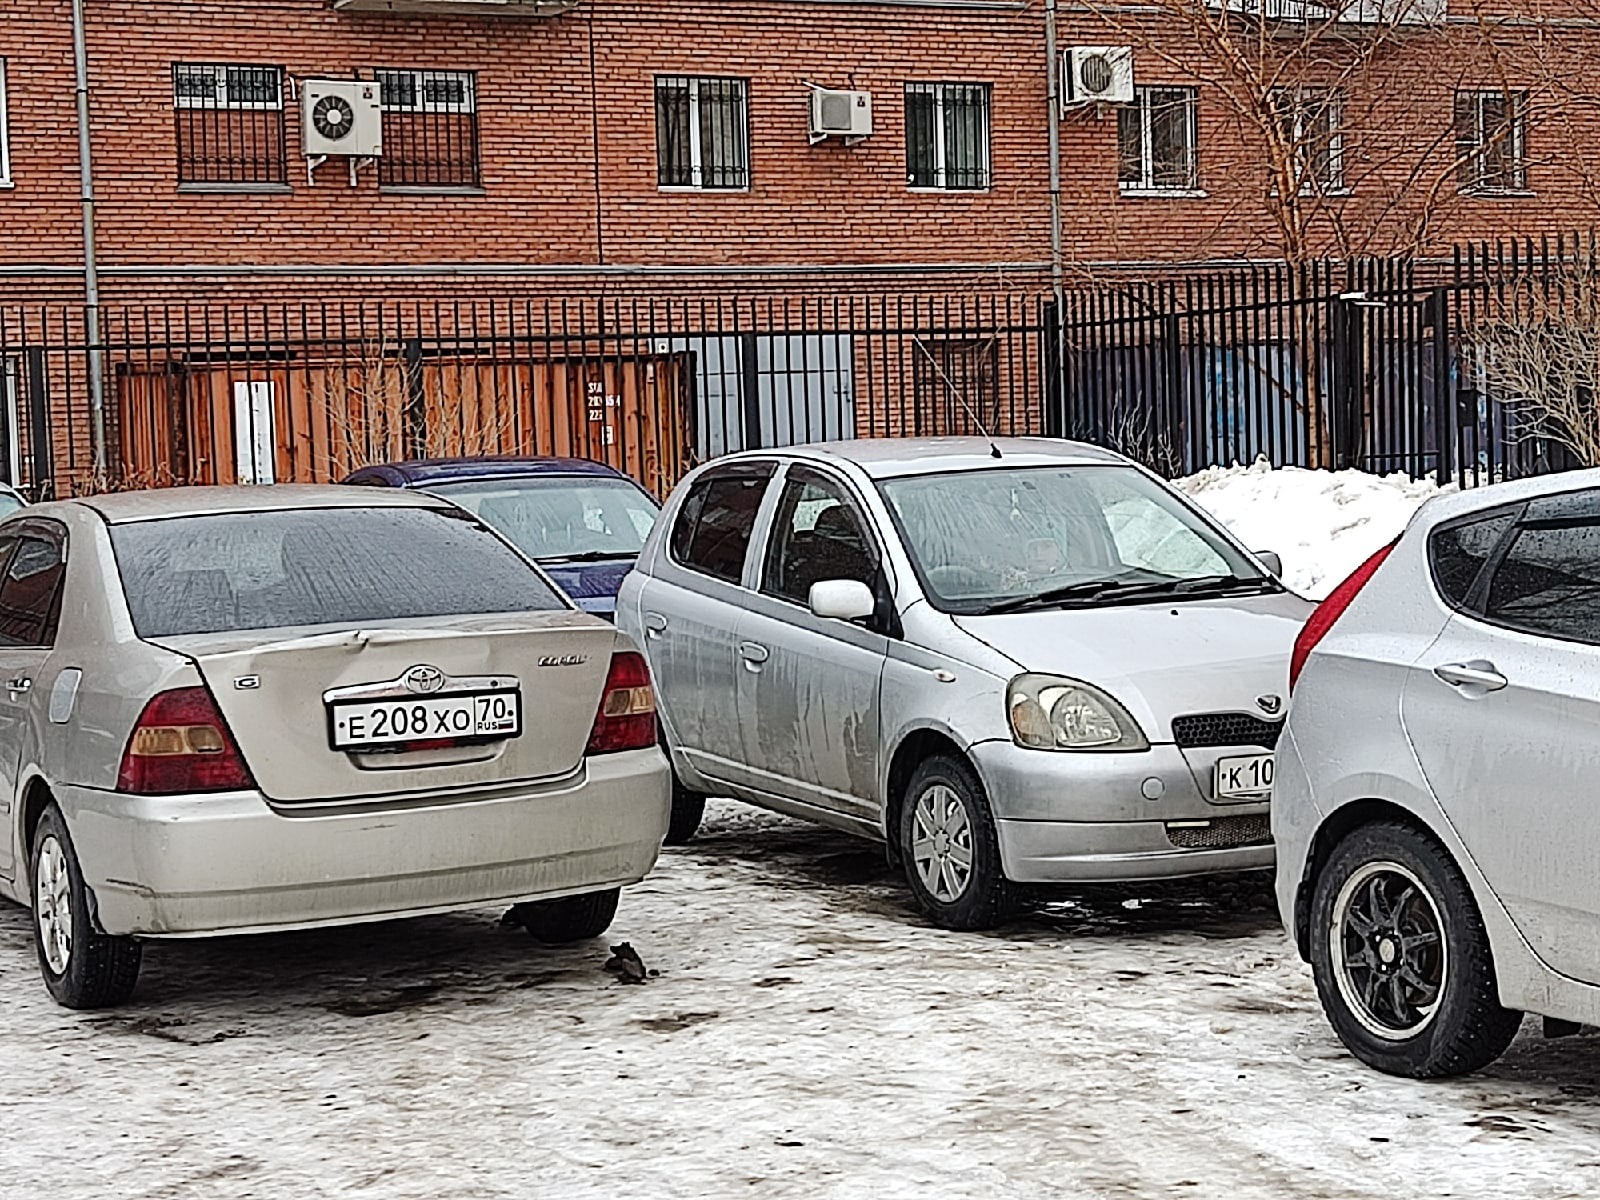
1007,539
317,566
561,516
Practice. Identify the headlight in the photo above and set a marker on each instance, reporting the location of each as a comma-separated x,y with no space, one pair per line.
1051,713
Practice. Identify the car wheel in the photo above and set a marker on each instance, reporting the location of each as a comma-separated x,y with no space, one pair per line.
82,967
949,848
569,919
688,809
1401,959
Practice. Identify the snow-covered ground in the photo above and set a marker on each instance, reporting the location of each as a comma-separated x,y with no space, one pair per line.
807,1037
1324,524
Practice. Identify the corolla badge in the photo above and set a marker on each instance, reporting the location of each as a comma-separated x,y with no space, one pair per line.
423,679
1271,705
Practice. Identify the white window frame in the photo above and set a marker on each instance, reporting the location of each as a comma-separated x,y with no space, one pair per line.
421,77
1295,99
1517,100
220,99
1146,184
696,160
5,130
941,162
10,397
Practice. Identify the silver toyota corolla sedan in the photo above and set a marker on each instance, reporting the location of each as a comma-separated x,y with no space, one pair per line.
1026,662
235,710
1438,858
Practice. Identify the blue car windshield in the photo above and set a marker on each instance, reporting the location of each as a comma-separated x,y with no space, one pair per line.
560,516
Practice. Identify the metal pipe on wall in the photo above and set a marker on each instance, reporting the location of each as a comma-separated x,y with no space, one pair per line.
91,266
1057,269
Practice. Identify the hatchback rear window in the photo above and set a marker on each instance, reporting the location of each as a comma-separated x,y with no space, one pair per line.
322,566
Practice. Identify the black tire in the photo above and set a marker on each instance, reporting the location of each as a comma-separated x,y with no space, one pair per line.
688,809
1424,1010
569,919
985,898
97,971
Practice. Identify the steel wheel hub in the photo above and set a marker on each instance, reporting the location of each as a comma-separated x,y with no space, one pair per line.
1387,947
941,843
52,906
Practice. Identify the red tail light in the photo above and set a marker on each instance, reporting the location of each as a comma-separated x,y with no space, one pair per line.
627,716
181,743
1330,610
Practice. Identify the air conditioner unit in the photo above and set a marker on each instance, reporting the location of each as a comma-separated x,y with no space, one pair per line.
845,115
341,116
1097,75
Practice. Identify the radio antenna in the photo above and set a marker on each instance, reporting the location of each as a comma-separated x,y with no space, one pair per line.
949,383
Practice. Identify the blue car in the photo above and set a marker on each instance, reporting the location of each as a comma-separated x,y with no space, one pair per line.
582,521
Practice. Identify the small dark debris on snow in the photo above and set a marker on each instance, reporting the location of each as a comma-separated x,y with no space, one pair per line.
773,981
788,1142
626,964
675,1022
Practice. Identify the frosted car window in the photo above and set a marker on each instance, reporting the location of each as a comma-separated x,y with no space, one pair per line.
1549,583
560,516
330,566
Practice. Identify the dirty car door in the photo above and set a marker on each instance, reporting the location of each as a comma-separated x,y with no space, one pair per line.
809,685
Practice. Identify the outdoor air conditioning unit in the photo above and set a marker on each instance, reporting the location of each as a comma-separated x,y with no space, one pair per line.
341,116
1096,75
846,115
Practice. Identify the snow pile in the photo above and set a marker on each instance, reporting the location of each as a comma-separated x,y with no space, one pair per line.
1323,524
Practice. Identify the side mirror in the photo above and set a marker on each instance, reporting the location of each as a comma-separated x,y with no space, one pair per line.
842,599
1271,562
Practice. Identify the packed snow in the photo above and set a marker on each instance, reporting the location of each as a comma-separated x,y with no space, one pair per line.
1324,524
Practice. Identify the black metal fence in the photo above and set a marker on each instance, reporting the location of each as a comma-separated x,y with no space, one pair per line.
652,384
1363,363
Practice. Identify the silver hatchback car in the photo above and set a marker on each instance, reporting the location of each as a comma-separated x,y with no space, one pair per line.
243,709
1438,858
1023,663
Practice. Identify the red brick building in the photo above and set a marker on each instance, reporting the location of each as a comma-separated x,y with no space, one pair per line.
659,152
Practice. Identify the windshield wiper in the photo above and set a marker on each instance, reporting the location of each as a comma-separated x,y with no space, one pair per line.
1113,591
584,556
1086,589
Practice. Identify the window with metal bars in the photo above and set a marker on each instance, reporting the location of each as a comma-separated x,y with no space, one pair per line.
702,132
1158,141
1491,141
5,131
230,125
1311,120
953,381
430,130
947,136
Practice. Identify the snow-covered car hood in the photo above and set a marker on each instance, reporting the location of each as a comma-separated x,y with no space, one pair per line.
1161,660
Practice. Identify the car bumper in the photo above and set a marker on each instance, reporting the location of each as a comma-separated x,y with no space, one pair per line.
1073,818
174,866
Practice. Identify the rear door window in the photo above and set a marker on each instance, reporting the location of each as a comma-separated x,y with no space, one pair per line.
714,526
30,591
1548,580
1458,553
321,566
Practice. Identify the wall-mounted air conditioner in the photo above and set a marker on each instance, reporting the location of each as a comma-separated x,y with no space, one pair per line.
1096,75
341,117
846,115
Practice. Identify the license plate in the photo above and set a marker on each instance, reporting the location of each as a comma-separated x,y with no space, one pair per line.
1244,775
373,724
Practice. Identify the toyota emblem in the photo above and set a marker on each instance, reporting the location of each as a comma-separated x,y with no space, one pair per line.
1271,705
423,679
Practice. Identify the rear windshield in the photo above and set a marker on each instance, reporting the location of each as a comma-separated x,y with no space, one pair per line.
321,566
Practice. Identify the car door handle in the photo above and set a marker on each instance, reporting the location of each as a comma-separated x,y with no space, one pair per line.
1477,673
654,625
753,653
19,685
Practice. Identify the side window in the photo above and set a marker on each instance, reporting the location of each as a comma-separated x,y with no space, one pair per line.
1457,553
712,535
816,535
1548,583
30,592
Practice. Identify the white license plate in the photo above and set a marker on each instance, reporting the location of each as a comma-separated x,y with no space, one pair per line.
1244,775
367,724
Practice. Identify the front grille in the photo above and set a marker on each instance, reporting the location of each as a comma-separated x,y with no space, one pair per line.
1222,834
1199,730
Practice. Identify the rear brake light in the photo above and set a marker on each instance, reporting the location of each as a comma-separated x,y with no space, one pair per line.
1330,610
627,716
181,743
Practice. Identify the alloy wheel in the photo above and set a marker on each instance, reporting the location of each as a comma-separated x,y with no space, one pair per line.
941,843
52,905
1388,951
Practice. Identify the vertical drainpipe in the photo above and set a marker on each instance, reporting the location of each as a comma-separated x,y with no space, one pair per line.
91,268
1057,270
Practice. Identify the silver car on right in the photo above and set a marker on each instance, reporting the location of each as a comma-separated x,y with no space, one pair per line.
1435,802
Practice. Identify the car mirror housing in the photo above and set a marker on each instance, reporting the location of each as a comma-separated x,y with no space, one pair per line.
842,599
1271,562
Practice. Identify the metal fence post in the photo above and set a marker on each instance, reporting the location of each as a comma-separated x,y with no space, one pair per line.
416,421
1444,424
44,471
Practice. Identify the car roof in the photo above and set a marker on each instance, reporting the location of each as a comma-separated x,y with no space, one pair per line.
160,503
889,458
422,471
1447,505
